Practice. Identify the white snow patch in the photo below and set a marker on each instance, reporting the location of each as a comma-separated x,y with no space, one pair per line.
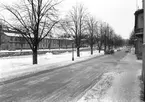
99,90
115,87
125,88
23,64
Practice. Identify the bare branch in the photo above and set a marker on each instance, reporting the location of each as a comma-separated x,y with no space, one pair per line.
46,34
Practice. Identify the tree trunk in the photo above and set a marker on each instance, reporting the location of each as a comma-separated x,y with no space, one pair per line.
21,47
59,44
105,44
91,50
78,52
99,49
66,46
109,46
105,48
35,56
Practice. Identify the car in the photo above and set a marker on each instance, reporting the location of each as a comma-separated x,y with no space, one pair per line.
127,50
118,49
111,51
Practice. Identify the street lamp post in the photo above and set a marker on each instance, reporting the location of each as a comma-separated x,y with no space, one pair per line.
72,51
143,67
0,36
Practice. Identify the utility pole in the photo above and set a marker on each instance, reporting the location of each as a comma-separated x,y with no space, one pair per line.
72,51
143,67
0,35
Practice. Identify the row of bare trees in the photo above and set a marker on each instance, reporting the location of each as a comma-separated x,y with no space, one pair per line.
132,38
84,27
35,19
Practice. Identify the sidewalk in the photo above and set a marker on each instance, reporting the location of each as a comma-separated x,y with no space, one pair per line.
125,86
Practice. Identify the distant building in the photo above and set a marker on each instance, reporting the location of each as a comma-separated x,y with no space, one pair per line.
138,29
10,40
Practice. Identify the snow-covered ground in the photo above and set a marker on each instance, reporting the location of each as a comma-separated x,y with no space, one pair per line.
24,50
120,85
96,93
29,50
115,87
16,65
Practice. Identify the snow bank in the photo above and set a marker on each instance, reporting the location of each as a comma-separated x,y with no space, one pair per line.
22,64
99,90
120,85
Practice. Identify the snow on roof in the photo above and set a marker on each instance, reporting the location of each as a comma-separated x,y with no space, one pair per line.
12,34
19,35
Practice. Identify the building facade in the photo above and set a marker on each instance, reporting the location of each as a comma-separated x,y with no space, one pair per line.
10,40
138,29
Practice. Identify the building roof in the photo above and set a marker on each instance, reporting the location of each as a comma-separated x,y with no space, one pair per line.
138,11
12,34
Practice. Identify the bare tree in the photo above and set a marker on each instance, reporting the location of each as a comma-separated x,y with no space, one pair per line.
100,37
110,37
105,37
81,16
132,38
74,25
118,41
34,20
92,28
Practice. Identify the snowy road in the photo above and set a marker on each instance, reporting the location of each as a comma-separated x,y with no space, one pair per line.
67,84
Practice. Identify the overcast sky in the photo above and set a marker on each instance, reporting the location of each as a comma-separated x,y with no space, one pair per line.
118,13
